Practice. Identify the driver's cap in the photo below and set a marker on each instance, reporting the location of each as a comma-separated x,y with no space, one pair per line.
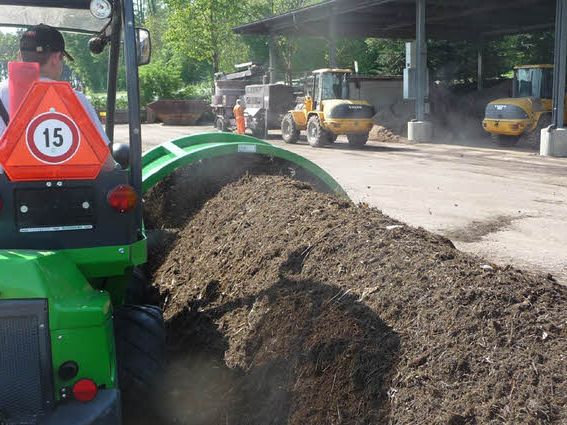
43,38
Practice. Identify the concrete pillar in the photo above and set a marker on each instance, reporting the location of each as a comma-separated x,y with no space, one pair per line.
420,130
553,141
332,39
480,66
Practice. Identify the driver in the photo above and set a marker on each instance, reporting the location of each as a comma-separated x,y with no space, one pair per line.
45,44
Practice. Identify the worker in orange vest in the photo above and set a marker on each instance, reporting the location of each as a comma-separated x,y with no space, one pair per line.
238,112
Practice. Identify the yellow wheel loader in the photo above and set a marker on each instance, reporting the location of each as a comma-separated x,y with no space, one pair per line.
528,110
328,111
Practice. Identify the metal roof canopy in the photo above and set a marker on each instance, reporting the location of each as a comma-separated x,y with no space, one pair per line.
446,19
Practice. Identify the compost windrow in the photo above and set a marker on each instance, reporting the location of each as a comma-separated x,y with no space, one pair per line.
288,306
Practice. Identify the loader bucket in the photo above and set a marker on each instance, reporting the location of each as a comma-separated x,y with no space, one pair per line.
230,150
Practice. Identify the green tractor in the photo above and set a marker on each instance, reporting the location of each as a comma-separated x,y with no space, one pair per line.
77,335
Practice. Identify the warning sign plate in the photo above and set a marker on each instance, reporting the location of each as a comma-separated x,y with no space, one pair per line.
52,138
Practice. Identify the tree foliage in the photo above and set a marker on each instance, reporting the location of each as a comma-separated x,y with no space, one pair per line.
202,29
8,51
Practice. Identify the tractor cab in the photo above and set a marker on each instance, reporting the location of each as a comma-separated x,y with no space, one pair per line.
58,176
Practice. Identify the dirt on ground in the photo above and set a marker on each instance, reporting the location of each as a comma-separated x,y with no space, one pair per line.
456,113
289,306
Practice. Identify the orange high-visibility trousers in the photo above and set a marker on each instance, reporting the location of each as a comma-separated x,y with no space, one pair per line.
240,122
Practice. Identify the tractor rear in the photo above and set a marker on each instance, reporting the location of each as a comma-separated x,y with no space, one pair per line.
327,112
78,334
71,238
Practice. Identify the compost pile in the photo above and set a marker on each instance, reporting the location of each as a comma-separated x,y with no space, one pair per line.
288,306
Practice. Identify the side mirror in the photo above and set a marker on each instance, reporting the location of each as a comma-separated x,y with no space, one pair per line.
143,46
121,154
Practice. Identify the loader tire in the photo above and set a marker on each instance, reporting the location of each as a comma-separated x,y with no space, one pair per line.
505,141
140,349
316,135
290,133
534,137
357,140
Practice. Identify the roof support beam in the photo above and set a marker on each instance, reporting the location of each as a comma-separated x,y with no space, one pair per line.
421,59
332,39
480,65
560,68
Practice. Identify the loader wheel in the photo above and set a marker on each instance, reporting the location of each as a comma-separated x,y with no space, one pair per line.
316,135
505,141
533,138
357,140
290,133
140,349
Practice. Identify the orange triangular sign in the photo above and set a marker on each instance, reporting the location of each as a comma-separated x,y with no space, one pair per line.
52,137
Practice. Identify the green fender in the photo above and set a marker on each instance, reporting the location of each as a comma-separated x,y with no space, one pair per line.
164,159
80,317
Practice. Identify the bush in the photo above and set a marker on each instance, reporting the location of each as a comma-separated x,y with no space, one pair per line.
198,91
159,80
98,100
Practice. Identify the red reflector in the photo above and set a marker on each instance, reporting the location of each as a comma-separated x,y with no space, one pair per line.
122,198
84,390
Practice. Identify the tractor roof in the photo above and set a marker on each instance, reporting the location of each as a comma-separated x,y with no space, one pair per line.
70,15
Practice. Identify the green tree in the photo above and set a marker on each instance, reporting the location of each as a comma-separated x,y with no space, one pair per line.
91,69
9,46
383,57
159,80
202,30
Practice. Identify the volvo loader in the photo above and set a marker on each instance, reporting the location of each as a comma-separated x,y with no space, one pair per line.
527,112
327,112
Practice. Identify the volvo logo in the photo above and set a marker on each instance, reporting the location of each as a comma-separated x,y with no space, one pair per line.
499,107
354,107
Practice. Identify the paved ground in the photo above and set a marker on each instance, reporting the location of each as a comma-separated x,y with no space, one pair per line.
509,206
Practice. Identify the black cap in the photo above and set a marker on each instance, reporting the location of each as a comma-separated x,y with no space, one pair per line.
43,38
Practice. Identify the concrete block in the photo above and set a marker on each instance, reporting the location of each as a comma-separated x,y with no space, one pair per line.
553,142
420,131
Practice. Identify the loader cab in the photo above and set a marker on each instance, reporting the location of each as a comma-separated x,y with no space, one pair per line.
330,84
534,81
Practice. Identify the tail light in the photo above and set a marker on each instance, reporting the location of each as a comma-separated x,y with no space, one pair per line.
85,390
122,198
